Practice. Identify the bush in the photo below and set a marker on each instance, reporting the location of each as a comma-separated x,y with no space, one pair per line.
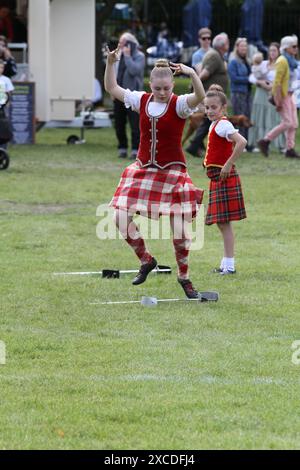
182,85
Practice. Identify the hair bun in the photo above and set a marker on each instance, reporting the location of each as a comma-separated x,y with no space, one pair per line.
161,63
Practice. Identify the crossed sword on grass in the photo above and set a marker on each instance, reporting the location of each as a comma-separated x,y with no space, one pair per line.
207,296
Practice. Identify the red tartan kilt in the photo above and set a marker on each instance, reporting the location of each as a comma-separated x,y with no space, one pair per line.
152,192
226,200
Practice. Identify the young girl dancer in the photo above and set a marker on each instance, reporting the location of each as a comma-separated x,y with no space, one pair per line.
226,202
158,180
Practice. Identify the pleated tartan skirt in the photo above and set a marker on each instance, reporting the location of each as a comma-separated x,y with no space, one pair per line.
226,201
153,192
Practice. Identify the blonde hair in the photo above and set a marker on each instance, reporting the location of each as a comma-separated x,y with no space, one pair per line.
212,93
257,58
161,70
216,87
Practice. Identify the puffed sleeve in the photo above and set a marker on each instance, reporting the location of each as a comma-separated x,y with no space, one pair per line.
225,129
182,108
132,99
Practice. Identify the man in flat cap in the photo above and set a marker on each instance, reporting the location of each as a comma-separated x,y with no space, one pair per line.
282,92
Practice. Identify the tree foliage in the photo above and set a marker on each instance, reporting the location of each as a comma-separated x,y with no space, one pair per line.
103,12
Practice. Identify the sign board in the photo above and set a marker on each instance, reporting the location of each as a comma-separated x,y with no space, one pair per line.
22,113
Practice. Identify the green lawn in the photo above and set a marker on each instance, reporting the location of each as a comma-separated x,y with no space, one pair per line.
177,376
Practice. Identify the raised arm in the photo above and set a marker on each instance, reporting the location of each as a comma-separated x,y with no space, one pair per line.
198,95
110,81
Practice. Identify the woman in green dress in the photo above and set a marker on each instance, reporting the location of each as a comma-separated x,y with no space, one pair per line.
264,115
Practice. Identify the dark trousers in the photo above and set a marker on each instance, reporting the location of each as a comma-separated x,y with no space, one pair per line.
5,127
121,114
202,131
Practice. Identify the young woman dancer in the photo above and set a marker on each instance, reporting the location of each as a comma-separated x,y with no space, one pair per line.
157,183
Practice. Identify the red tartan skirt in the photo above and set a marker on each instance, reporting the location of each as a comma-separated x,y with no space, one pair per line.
152,192
226,200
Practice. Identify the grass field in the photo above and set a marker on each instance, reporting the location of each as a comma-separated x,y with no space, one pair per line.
177,376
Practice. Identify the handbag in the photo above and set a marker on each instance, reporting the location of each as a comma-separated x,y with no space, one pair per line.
271,100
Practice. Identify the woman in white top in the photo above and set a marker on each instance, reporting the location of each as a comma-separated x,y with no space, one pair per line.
157,183
6,88
264,115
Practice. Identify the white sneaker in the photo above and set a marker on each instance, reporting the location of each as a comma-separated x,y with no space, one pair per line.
227,271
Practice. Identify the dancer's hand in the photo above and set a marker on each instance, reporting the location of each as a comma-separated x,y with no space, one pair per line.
113,56
225,172
181,68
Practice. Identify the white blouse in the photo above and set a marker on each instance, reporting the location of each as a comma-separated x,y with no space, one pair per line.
224,129
132,99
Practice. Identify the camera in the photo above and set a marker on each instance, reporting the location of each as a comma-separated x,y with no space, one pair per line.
131,45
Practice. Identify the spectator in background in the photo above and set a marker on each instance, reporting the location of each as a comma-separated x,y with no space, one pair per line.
264,115
94,102
163,31
151,33
10,66
20,28
130,75
257,66
166,47
5,82
6,22
282,91
204,37
213,71
6,88
240,88
98,95
297,89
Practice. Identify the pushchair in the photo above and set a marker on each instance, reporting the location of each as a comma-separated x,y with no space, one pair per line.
5,132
